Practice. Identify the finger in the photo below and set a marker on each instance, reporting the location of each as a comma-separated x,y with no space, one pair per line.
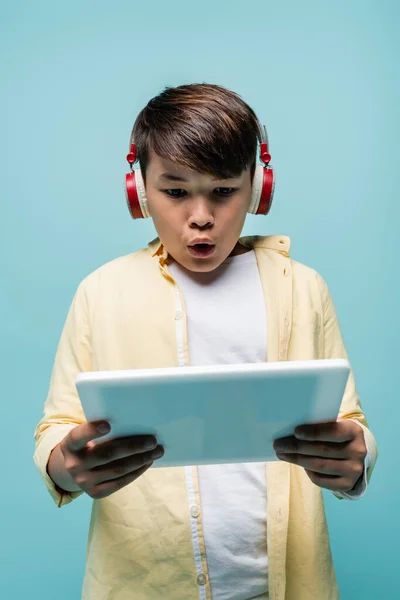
78,437
117,449
337,431
123,467
315,463
330,482
109,487
292,445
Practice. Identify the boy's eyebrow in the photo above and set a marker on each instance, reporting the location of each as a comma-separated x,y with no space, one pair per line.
171,177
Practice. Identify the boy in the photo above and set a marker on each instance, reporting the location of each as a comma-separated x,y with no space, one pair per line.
240,531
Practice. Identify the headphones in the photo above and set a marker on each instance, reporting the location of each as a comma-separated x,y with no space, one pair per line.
262,188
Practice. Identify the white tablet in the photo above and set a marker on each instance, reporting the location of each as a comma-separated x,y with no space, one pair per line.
215,414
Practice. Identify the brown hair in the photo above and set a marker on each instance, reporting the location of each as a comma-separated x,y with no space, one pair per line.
204,127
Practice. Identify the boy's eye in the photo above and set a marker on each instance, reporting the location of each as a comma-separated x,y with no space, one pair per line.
220,191
225,191
175,193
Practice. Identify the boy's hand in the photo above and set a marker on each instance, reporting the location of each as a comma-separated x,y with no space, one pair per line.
332,454
102,469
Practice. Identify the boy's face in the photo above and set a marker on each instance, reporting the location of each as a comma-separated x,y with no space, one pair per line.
186,205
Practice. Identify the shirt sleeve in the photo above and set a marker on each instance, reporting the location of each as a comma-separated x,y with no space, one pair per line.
62,409
351,406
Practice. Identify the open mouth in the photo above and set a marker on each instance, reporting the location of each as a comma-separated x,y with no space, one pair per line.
201,250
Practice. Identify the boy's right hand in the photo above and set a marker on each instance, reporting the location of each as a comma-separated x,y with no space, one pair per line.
102,469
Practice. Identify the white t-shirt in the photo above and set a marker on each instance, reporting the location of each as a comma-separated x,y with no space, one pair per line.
226,323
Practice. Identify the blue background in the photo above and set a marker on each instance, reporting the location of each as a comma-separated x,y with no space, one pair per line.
324,77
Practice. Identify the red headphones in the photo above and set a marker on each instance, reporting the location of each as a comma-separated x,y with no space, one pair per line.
262,189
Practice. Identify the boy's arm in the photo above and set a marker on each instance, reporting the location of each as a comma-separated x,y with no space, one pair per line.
351,405
63,409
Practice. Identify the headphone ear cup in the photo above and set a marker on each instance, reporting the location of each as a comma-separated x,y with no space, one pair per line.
262,190
267,191
256,189
136,195
131,196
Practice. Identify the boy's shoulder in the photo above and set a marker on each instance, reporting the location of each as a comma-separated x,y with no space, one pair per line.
128,265
280,245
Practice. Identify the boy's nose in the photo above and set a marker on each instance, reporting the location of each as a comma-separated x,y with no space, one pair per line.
201,215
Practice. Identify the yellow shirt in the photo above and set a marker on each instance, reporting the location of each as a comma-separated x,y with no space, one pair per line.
124,316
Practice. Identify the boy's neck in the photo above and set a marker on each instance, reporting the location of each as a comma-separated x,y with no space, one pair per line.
239,249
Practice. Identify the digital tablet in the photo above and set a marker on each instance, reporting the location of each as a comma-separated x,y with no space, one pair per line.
215,414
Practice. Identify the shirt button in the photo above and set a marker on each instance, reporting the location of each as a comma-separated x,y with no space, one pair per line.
178,314
195,511
201,579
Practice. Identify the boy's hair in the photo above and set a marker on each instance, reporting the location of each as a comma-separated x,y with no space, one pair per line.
204,127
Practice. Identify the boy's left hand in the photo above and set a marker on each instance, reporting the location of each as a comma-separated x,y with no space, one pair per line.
332,454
